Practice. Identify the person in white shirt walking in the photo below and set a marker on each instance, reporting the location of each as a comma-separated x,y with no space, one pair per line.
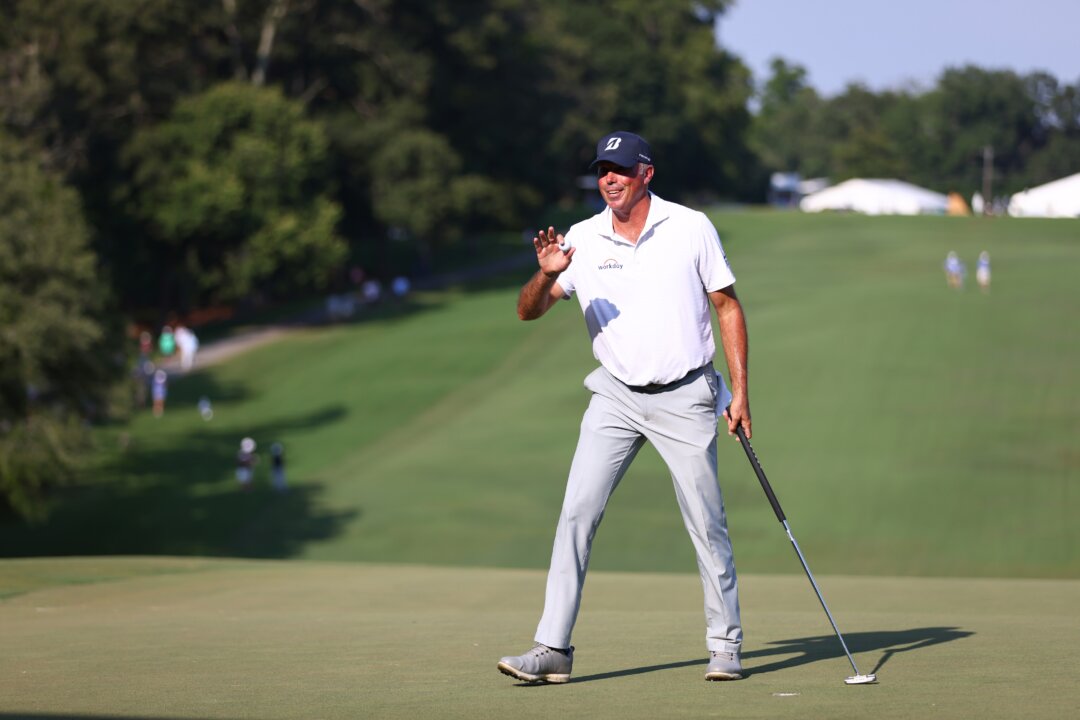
645,272
188,344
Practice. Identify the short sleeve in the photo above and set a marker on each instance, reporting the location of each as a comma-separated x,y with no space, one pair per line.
713,266
566,279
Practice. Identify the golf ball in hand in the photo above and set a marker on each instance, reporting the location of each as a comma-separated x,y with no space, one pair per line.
565,245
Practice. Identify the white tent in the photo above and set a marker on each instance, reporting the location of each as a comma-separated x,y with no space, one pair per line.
1060,198
876,197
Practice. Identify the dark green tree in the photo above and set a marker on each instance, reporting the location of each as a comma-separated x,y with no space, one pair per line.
81,77
1059,158
1058,109
782,134
235,189
972,108
654,67
56,358
859,143
445,119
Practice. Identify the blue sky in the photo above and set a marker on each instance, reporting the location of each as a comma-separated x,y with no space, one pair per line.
900,43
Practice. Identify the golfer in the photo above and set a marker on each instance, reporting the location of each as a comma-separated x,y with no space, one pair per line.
645,272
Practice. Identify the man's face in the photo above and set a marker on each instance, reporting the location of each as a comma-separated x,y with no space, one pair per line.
622,187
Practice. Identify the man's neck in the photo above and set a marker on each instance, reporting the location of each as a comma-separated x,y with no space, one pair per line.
630,225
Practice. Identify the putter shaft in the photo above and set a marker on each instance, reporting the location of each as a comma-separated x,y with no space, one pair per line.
756,464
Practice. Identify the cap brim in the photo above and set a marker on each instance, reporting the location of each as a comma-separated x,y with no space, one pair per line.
620,161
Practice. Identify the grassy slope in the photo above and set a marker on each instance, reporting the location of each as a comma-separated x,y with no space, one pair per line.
934,428
907,429
179,638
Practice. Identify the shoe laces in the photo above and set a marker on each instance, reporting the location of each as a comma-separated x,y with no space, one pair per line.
540,649
722,655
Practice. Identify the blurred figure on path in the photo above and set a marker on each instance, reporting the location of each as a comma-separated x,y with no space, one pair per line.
143,372
140,382
188,344
159,391
206,410
371,291
340,307
277,467
245,463
982,271
954,271
167,341
401,287
146,343
357,275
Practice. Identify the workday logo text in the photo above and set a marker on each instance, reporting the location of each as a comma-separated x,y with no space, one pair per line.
609,264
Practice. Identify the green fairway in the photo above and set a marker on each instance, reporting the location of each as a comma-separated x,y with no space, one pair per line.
908,429
181,638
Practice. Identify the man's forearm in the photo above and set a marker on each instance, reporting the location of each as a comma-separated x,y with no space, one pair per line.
733,335
535,297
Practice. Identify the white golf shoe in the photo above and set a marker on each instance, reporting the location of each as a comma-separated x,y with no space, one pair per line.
541,664
724,666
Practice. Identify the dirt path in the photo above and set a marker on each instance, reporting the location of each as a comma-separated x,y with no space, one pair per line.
218,351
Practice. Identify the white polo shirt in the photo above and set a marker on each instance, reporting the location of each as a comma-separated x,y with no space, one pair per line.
646,305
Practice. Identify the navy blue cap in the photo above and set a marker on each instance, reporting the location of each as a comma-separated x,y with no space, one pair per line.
622,148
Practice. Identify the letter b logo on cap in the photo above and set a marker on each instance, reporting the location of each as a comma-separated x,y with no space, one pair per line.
613,143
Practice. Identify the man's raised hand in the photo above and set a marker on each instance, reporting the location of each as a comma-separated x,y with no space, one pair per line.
552,260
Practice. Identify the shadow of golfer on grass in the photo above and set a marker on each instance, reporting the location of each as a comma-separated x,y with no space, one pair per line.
812,649
826,647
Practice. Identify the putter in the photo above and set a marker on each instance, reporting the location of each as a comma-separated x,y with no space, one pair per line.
858,678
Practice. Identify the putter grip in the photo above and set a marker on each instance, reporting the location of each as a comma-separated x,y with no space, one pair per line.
752,457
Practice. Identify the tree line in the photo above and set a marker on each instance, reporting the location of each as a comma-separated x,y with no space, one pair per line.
165,155
937,138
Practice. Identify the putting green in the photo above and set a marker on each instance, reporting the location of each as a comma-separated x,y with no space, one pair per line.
197,638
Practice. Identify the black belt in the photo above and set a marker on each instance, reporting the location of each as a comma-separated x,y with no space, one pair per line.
661,387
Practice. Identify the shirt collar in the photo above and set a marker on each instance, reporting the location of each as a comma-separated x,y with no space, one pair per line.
658,212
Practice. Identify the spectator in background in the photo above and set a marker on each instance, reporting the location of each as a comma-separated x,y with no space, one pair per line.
401,287
954,271
159,390
245,463
167,341
139,383
143,372
340,307
357,275
146,343
277,467
188,344
371,291
982,271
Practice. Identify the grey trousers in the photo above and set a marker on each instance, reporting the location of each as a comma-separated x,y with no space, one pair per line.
681,424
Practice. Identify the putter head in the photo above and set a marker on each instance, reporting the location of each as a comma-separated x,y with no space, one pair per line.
861,679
